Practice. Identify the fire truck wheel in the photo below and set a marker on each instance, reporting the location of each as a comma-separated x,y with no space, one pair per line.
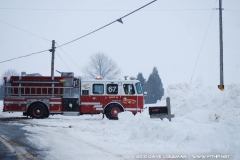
47,115
38,110
112,112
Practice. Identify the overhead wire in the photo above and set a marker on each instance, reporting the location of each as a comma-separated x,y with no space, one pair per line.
25,31
118,20
68,56
24,56
28,33
63,61
202,43
89,10
232,10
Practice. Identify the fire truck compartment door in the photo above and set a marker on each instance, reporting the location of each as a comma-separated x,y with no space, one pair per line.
70,104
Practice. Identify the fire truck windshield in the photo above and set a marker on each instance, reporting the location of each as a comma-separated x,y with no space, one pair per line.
139,88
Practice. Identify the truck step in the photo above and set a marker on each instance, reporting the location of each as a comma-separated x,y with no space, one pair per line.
71,113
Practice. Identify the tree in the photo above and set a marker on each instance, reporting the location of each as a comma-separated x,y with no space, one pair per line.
8,74
142,81
101,65
155,89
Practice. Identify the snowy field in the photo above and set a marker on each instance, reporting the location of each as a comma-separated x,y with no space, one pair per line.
206,123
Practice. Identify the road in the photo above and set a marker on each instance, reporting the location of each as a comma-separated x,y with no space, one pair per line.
14,144
58,138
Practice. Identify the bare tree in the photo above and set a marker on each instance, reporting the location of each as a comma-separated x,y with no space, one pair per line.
101,65
8,73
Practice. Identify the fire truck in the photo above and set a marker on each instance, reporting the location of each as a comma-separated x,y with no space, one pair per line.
40,96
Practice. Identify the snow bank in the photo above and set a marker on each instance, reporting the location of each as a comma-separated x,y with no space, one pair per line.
196,100
207,121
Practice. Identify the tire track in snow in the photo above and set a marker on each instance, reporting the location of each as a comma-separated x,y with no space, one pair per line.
69,138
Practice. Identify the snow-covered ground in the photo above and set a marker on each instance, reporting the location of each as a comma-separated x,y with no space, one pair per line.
207,122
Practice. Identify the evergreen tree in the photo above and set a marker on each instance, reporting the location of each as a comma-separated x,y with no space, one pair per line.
142,81
154,87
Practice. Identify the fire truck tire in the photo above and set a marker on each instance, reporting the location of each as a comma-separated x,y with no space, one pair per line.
47,115
38,110
112,112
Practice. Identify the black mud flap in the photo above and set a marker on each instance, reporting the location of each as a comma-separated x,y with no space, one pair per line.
161,111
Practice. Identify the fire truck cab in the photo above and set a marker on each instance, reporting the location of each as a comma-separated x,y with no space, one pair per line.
111,97
40,96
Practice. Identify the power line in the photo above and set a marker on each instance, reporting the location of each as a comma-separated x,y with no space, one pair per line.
202,43
118,20
63,61
89,10
25,31
23,56
232,10
186,9
68,56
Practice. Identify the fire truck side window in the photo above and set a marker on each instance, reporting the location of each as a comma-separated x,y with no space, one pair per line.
112,88
98,89
85,92
128,89
139,88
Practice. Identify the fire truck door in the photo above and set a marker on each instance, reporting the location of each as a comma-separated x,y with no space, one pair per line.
92,100
130,98
97,98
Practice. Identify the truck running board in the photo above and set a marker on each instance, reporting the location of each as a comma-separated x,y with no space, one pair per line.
71,113
161,111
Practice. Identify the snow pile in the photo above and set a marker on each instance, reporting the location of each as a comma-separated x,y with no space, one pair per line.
207,121
196,100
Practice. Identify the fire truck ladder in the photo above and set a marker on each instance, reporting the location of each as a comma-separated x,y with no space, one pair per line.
29,91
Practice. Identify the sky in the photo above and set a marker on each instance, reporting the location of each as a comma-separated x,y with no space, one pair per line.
172,35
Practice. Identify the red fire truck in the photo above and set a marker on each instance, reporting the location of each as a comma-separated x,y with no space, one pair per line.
40,96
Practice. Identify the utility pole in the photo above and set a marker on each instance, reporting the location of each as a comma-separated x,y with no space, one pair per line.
52,65
53,55
221,86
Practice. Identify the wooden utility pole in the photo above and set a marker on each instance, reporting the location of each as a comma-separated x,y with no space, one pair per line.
53,55
52,65
221,86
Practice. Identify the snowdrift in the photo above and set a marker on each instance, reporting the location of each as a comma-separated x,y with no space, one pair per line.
202,103
207,121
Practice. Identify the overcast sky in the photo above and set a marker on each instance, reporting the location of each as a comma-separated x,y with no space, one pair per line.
168,34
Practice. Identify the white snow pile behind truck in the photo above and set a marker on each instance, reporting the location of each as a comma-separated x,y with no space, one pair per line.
207,121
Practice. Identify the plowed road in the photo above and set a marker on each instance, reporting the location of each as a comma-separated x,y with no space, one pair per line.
13,142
